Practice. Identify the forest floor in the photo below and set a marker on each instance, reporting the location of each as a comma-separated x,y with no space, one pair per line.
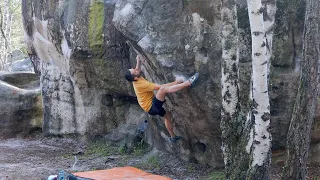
38,157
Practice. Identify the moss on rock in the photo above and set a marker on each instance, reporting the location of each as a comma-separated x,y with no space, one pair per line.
95,29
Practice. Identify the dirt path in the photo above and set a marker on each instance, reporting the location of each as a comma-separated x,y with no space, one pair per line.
37,158
32,159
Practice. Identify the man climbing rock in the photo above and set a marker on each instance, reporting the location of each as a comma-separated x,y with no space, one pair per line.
151,103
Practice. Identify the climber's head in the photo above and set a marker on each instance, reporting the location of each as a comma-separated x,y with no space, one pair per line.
132,74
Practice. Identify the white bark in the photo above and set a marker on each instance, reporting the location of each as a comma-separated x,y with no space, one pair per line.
9,37
6,21
261,146
230,70
1,37
230,60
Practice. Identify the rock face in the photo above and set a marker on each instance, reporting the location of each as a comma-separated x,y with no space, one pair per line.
16,55
181,38
20,104
83,50
83,61
19,65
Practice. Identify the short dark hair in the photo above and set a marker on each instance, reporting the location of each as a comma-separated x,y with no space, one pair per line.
129,77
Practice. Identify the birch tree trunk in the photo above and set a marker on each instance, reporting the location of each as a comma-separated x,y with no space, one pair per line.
8,21
2,39
298,138
5,24
1,29
9,30
260,137
229,85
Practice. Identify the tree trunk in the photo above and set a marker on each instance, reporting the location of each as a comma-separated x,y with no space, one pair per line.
298,138
230,89
5,24
3,37
9,31
260,137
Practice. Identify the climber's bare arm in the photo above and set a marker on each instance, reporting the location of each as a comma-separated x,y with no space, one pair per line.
139,59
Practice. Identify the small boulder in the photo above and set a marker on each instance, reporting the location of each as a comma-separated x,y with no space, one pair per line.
20,104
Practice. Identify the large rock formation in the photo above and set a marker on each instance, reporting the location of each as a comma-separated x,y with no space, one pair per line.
19,65
84,53
83,59
180,38
20,104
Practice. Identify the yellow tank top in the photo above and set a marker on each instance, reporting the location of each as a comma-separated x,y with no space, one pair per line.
144,91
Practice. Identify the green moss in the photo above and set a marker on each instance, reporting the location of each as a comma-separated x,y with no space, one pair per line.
217,175
140,149
99,148
95,29
122,149
151,163
68,156
154,161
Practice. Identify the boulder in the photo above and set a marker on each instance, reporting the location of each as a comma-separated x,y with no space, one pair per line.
83,62
83,50
180,38
19,65
20,104
17,55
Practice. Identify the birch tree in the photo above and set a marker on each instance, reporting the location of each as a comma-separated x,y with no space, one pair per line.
262,17
2,34
259,144
5,26
229,84
298,137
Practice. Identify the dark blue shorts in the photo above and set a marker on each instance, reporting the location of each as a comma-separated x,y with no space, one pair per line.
156,108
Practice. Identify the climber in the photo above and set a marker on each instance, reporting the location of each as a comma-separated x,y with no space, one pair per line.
151,103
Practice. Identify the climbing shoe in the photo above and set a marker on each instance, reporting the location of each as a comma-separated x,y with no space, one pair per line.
175,139
193,79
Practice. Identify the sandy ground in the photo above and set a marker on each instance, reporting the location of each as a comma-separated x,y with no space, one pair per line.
37,158
32,159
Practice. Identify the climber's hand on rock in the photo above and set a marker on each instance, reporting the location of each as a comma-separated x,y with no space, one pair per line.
140,58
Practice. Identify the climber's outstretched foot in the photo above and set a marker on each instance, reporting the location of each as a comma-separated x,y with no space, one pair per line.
193,79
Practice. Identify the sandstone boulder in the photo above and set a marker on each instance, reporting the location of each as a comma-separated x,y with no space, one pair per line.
84,53
19,65
20,104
